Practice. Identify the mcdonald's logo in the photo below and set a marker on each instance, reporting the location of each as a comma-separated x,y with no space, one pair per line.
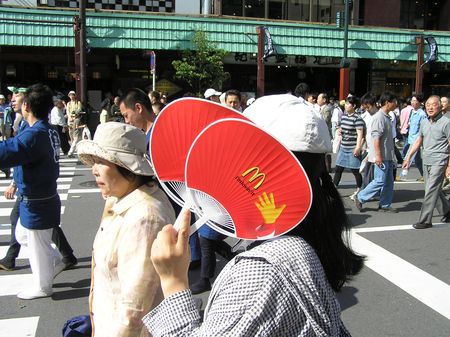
256,175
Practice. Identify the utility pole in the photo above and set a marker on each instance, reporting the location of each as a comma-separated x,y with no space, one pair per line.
344,72
260,62
419,63
82,36
76,31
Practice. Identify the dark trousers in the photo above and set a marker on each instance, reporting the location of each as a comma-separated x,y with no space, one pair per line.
58,238
65,146
208,250
208,265
338,173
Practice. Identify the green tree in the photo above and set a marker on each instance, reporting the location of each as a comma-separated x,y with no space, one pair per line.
202,66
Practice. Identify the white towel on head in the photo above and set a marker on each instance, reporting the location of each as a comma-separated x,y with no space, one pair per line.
292,121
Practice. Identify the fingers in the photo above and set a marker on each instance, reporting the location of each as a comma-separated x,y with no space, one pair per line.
183,233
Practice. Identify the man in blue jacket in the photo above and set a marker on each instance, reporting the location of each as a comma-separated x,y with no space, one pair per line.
35,152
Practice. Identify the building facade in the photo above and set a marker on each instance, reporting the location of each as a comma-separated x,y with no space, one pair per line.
37,44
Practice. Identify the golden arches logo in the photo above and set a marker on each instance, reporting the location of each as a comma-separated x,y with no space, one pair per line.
256,175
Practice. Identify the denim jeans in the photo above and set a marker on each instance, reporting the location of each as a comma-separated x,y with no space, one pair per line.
383,183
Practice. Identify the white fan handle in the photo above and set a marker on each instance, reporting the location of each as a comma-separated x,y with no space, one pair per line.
195,227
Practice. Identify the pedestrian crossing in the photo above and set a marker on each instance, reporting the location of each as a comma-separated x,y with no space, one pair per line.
10,282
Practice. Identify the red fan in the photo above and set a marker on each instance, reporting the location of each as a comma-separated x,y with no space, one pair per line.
173,132
247,183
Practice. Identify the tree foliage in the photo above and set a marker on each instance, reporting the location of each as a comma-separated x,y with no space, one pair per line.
202,66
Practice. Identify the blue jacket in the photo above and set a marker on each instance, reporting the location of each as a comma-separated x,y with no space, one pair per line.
34,153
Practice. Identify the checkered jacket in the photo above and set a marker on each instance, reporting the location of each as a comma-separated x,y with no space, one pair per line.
276,289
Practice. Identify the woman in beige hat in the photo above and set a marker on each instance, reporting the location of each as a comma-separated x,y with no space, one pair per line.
124,284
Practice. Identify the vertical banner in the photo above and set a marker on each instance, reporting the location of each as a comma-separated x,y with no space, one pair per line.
153,68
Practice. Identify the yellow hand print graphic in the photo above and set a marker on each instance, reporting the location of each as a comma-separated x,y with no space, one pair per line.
268,209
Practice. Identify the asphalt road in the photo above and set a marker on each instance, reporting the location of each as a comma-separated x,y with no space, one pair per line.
404,289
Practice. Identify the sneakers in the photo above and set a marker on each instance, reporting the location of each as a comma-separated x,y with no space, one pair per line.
201,286
69,262
33,294
352,197
446,218
420,225
420,179
7,264
387,209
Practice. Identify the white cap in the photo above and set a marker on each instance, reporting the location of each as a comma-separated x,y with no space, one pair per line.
2,97
71,93
292,122
212,92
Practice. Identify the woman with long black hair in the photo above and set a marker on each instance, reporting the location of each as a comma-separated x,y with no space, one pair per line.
281,287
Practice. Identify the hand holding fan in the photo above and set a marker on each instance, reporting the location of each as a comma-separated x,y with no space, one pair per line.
247,183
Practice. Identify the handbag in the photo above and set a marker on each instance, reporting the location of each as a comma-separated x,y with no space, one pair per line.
337,143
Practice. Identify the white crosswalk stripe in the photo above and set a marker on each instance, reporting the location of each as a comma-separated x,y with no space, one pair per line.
19,327
11,283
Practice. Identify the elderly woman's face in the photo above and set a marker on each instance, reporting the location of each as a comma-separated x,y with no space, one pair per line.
109,179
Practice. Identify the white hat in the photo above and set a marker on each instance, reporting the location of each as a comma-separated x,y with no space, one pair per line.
2,97
292,122
71,92
212,92
118,143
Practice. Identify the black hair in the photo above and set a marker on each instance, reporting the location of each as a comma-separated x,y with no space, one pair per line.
419,97
387,97
301,90
130,176
324,96
40,99
233,92
155,94
353,100
369,98
326,226
135,95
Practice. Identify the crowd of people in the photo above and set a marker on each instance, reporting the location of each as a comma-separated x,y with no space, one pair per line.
140,262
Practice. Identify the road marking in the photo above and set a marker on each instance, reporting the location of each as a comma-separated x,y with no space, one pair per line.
19,327
71,168
12,284
405,275
84,190
395,228
352,183
68,160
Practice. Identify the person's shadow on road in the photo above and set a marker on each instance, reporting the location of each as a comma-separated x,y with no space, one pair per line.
347,298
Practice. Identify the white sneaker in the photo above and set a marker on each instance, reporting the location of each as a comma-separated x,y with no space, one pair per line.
31,294
352,197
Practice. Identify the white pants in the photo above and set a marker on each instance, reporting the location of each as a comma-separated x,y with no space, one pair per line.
43,257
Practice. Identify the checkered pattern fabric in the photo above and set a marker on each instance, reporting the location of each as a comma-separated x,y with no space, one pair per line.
164,6
276,289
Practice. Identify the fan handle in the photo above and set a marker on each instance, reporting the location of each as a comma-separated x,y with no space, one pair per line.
195,226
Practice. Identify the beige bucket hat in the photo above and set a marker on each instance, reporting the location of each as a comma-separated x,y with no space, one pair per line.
120,144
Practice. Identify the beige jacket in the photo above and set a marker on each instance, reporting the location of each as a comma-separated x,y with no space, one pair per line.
124,284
